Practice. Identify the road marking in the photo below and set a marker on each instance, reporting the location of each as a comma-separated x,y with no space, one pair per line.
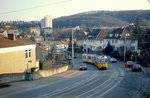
81,86
112,76
109,89
70,87
103,84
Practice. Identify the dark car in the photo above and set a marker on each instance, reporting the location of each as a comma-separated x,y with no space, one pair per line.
129,64
83,67
136,68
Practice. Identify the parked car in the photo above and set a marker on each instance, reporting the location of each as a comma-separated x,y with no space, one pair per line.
68,57
136,67
83,67
113,60
129,64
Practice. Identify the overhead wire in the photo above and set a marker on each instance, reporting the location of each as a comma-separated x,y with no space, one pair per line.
40,6
149,1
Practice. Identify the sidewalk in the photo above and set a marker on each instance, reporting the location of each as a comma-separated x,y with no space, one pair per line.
24,85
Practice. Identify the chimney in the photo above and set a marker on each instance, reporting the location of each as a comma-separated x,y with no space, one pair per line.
12,37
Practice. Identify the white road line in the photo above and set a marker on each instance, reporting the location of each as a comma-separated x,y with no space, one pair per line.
121,74
96,87
81,86
87,80
70,87
109,89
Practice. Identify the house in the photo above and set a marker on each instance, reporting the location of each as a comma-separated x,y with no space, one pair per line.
38,39
3,33
9,29
60,45
93,34
17,56
119,38
98,43
35,30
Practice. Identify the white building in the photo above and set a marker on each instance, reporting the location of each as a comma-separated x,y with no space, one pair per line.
46,22
116,38
46,25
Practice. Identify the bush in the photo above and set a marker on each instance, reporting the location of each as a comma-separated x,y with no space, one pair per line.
45,64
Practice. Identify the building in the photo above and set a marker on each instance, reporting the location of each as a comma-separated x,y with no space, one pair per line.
17,56
35,31
46,27
116,37
46,22
38,39
60,46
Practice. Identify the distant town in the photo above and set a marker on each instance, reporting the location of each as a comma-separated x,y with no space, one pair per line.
35,49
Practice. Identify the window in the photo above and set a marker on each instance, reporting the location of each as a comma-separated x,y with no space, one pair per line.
110,35
112,41
116,41
28,53
132,41
132,48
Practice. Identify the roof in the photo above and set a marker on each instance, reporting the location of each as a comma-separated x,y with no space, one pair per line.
115,34
120,33
102,34
5,42
8,27
94,33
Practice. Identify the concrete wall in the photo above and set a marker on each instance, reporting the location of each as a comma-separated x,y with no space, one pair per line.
11,77
36,75
50,72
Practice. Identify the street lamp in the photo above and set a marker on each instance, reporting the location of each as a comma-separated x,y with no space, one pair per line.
76,28
127,34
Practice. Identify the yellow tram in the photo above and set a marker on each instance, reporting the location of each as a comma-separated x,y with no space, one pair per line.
101,61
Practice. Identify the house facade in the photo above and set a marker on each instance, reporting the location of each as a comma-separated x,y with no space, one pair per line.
17,56
117,38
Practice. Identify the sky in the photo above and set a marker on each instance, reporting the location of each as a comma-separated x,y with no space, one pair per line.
29,10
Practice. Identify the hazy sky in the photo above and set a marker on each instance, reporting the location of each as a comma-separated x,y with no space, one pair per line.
19,9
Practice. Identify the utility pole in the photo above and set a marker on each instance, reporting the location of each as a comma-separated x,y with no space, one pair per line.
76,28
125,46
72,48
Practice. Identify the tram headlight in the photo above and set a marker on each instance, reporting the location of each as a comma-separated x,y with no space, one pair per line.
105,57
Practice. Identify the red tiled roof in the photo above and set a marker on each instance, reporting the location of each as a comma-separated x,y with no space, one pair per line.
5,42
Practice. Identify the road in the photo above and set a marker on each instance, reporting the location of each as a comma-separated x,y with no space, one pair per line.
92,83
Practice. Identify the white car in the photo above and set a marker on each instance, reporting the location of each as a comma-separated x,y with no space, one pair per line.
83,67
113,60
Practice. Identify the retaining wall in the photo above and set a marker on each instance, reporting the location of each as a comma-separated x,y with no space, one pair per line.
35,75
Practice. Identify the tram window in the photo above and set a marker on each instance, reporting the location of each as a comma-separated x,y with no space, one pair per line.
84,57
89,57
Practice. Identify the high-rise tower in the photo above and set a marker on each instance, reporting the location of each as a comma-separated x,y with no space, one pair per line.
46,27
46,22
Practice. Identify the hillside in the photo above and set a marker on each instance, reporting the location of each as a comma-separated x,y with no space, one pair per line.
101,18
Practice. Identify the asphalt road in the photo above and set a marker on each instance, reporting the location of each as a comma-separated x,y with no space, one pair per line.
91,83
